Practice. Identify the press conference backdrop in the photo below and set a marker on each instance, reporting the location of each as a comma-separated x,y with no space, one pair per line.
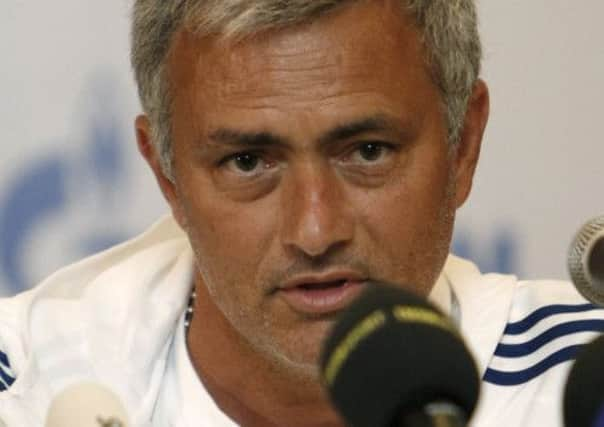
73,183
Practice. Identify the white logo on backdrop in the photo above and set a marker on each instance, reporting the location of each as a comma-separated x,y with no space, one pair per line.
63,205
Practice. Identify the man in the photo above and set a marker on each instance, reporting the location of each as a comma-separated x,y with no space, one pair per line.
304,147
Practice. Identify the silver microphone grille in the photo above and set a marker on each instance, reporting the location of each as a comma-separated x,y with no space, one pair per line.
586,260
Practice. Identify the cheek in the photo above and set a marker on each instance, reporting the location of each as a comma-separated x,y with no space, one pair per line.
225,234
411,201
408,224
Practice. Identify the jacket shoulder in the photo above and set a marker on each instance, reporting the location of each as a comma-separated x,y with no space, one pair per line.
13,311
39,322
549,321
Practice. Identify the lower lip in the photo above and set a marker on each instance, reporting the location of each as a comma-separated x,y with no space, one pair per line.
322,301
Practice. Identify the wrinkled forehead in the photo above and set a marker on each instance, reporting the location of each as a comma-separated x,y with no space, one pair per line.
370,45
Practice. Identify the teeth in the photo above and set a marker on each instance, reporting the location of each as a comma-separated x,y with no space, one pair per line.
324,285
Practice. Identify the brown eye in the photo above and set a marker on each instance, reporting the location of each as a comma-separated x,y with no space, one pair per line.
371,151
246,162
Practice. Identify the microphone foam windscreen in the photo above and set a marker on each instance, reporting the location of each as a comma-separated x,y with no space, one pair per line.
86,405
586,260
584,391
391,353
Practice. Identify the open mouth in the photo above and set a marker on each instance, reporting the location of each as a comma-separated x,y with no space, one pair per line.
322,297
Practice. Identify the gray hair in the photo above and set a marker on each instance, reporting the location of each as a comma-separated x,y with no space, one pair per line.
448,29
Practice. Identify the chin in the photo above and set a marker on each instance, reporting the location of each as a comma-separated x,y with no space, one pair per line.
307,369
299,353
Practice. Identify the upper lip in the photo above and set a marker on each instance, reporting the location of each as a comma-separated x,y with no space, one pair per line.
330,276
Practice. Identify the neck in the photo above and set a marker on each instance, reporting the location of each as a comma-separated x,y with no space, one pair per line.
245,384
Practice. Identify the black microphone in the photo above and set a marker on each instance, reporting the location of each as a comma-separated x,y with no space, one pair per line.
393,359
583,404
586,260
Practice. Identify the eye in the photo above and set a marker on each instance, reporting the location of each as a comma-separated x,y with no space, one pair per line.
246,166
245,162
371,151
246,175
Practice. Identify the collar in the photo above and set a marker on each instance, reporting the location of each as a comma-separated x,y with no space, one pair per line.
483,304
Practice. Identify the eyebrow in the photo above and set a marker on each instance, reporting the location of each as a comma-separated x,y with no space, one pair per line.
378,122
354,128
237,137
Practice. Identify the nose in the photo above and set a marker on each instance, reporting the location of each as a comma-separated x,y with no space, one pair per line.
317,216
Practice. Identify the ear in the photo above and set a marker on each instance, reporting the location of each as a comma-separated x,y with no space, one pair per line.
467,151
147,149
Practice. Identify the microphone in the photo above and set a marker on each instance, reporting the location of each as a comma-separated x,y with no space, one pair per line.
393,359
583,404
86,405
586,261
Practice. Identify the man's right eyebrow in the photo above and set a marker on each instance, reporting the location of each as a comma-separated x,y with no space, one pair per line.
226,136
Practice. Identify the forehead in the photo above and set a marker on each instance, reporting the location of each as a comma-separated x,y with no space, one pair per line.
368,49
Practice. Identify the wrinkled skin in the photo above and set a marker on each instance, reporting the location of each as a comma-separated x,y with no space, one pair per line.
379,202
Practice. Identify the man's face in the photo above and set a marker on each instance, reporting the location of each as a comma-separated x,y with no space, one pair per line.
307,161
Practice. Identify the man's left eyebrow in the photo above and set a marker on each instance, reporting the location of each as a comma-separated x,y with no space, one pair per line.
357,127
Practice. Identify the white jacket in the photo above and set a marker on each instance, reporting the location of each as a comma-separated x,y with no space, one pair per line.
111,319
